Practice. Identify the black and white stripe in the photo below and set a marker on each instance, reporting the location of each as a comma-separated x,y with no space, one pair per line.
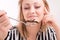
49,34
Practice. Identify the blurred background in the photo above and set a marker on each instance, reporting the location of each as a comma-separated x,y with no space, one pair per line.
11,7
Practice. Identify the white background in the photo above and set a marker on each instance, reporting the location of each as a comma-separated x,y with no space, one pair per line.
11,7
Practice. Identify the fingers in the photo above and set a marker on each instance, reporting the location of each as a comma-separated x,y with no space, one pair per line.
2,12
47,17
3,16
4,20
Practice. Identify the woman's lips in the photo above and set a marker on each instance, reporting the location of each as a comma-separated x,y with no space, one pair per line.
31,16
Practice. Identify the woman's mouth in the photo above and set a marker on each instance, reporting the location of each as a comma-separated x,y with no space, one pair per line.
32,16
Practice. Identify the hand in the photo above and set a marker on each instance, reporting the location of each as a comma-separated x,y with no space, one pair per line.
4,25
48,18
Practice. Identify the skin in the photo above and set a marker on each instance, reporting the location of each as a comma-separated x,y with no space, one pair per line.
34,9
4,25
48,19
41,15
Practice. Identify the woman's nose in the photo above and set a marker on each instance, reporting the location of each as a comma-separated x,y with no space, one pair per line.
32,10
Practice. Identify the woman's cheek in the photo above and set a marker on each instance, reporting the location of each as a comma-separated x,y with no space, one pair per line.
40,15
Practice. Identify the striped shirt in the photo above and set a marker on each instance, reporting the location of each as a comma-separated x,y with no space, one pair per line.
49,34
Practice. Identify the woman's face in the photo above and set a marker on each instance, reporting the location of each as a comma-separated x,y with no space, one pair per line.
33,10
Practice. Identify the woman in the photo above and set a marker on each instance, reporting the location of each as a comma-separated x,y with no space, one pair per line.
40,25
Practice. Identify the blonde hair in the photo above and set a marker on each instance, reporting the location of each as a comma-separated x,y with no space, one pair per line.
22,28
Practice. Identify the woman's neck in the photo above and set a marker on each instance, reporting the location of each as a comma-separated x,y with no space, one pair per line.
33,30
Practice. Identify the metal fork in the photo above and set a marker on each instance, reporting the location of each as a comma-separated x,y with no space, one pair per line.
17,20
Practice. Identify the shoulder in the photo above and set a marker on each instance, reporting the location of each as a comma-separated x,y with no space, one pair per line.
48,30
51,30
13,34
13,29
49,34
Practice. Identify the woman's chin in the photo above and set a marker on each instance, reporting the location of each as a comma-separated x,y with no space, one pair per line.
37,20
